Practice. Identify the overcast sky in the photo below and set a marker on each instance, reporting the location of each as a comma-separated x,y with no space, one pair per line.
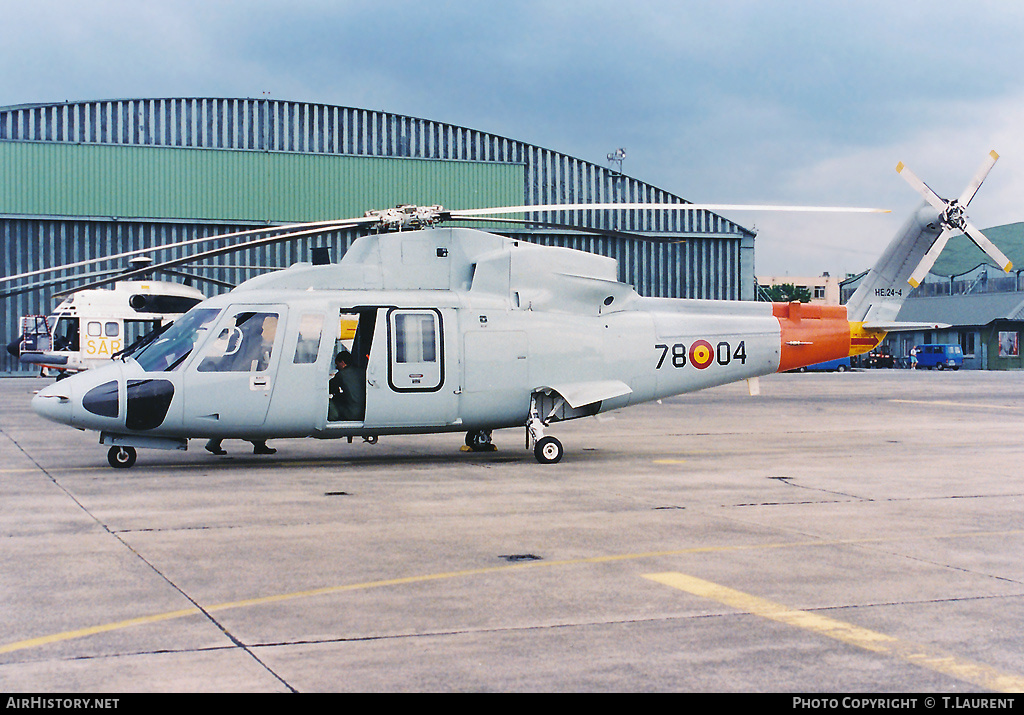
810,102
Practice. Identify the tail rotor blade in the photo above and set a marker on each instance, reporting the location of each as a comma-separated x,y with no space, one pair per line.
972,188
929,258
951,215
920,187
982,242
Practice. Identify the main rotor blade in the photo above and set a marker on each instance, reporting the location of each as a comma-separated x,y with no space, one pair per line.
325,226
196,277
569,227
45,283
982,242
922,188
657,207
929,258
216,252
979,176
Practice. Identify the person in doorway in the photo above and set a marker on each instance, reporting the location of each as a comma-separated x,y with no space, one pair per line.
347,389
913,358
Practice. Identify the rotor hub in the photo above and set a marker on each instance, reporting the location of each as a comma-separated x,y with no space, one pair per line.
407,217
953,216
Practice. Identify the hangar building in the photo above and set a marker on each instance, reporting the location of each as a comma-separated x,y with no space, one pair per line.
88,179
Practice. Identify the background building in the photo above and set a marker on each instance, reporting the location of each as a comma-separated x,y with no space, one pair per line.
88,179
983,306
823,289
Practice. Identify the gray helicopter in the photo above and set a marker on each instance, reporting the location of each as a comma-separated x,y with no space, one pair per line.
460,330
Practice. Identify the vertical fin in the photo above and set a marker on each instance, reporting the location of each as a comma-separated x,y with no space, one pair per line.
915,248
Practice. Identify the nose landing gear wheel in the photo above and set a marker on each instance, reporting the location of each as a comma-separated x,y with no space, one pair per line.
548,450
121,457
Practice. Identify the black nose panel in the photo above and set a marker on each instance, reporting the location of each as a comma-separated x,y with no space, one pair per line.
102,400
148,401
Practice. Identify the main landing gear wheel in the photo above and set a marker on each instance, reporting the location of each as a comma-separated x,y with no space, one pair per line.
480,441
121,457
548,450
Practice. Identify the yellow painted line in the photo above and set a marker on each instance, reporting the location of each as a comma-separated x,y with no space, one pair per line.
327,590
671,461
947,403
94,630
959,668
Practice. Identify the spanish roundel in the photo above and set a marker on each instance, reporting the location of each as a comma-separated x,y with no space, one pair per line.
701,354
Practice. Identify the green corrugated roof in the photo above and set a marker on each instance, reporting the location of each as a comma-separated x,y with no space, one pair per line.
61,179
962,256
960,310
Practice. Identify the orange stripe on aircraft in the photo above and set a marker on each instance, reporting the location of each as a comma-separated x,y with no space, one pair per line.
811,333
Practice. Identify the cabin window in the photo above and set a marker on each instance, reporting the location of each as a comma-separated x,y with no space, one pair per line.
416,357
415,338
94,329
245,344
111,329
310,329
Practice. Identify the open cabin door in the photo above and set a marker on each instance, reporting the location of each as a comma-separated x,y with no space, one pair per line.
413,378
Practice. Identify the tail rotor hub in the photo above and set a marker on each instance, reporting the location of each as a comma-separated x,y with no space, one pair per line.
953,216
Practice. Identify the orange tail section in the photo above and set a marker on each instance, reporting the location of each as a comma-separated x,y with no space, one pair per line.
811,333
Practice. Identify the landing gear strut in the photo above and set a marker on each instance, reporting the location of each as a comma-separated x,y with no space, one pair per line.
547,450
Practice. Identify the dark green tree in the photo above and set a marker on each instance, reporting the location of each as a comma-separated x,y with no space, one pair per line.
784,293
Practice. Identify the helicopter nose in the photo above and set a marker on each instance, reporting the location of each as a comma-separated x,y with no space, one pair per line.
88,400
54,403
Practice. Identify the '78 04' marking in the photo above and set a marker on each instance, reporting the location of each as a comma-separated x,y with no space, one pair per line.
701,354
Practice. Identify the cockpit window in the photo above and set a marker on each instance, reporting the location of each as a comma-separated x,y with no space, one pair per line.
65,333
169,350
245,345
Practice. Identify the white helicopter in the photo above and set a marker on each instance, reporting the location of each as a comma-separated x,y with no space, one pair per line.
91,326
460,330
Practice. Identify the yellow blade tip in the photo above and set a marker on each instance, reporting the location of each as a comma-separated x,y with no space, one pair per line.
899,168
913,283
993,154
1008,267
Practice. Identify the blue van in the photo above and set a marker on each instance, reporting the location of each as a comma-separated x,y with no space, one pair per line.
839,365
940,356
